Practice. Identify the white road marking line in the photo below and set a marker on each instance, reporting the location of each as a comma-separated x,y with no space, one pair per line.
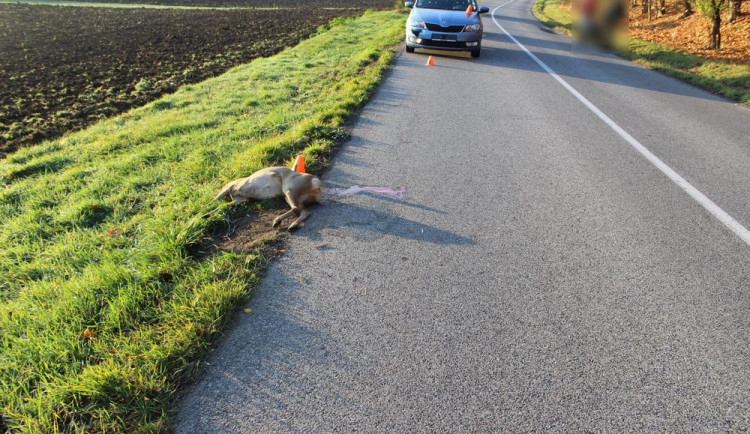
699,197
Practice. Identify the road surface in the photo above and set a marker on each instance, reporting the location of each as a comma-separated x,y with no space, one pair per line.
543,274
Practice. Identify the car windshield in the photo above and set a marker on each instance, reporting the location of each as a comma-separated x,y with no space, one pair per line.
454,5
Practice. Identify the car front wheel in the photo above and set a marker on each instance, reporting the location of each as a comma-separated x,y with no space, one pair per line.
409,49
475,53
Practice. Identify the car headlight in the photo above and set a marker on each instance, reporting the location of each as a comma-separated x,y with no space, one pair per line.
472,27
419,24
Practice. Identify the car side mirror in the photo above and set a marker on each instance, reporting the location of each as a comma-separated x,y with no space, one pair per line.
409,4
484,10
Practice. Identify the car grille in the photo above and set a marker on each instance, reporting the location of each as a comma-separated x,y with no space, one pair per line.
428,42
439,28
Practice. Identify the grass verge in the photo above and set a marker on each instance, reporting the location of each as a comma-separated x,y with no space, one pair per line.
552,15
722,78
103,309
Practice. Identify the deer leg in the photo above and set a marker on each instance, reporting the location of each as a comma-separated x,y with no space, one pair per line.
298,207
303,215
280,218
292,204
237,200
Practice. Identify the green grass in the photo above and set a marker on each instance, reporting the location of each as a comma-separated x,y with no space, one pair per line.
552,15
103,310
723,78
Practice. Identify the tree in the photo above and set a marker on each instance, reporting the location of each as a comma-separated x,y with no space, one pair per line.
688,9
712,9
735,9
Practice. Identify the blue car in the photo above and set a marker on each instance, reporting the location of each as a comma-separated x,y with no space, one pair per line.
445,25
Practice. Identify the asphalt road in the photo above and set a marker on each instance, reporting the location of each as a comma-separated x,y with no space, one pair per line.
542,274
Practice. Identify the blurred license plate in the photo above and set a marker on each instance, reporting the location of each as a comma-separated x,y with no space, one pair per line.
439,37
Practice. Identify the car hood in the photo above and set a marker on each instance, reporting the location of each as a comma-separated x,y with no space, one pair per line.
444,17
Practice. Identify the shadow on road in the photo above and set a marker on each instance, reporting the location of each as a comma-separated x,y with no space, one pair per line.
370,223
569,60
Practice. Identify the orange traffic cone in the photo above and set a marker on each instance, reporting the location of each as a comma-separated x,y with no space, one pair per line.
299,164
430,61
469,10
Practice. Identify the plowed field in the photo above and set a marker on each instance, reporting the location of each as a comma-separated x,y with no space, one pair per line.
62,68
364,4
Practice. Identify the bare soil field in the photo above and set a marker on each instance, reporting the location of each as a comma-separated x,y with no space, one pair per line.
62,68
364,4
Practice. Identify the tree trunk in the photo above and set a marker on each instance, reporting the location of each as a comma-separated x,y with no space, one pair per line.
716,33
688,9
735,10
662,7
644,6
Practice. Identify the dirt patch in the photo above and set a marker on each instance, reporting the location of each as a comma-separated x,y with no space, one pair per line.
691,34
64,68
246,231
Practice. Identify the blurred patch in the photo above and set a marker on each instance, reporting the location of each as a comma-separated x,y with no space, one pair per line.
601,22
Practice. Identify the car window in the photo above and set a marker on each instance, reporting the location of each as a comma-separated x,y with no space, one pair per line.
456,5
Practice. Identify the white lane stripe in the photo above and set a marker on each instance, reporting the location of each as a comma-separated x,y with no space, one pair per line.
699,197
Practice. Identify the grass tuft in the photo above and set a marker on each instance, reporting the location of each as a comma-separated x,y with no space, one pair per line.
103,309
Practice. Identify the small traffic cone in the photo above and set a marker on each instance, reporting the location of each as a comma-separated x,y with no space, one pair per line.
430,61
469,10
299,164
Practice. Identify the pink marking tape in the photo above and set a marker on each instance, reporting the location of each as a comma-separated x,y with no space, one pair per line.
356,189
